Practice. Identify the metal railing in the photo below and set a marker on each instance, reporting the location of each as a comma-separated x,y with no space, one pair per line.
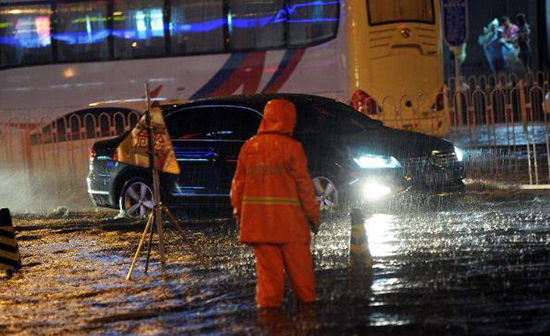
44,163
502,121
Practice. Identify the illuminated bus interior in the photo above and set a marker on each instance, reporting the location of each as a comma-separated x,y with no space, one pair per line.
65,31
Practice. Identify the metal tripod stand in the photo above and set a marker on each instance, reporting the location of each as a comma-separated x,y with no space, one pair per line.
155,217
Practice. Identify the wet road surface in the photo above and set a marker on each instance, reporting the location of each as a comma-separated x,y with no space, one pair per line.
480,267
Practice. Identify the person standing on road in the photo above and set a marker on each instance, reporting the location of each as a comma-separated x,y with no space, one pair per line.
274,201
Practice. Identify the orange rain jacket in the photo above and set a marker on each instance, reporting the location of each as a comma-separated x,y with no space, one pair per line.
272,191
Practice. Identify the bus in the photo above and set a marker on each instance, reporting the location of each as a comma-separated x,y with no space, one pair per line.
384,57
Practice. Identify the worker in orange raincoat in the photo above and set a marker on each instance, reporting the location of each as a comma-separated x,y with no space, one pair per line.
273,198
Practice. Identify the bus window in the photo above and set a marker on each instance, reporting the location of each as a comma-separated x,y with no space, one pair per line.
197,26
25,35
392,11
138,28
312,22
255,25
82,31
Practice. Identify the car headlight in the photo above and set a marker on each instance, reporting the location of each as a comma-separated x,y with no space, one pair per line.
377,161
373,190
459,154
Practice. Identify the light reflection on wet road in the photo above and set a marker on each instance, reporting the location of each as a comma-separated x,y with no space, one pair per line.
482,267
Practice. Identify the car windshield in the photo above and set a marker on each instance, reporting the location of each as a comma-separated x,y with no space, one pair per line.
331,119
352,121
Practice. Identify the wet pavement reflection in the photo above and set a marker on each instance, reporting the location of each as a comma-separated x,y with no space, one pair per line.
481,266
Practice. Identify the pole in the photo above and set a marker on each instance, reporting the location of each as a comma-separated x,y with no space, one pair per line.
155,175
149,249
458,85
140,245
359,254
155,216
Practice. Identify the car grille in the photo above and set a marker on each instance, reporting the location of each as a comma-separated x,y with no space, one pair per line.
443,160
438,168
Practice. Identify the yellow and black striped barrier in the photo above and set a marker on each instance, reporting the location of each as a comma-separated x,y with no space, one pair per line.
9,252
359,254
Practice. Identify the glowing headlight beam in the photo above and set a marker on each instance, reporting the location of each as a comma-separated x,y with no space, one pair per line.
377,161
459,154
373,190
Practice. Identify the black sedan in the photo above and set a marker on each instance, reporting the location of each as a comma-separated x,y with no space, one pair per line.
350,156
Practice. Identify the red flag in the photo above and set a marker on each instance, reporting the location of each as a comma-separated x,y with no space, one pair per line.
154,94
134,149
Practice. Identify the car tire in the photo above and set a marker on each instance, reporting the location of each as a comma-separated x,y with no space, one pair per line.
136,198
327,192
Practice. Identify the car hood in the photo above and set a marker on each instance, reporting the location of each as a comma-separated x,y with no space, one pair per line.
397,143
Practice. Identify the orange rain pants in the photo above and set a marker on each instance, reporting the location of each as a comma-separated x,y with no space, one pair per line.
271,262
273,196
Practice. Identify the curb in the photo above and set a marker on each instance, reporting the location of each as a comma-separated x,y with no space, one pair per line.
498,185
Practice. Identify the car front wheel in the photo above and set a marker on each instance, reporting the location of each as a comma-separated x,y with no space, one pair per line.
327,193
136,199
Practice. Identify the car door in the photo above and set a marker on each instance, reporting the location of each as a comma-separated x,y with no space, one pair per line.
235,125
207,141
192,131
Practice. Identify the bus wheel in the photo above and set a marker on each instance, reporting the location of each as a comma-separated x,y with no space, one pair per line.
327,192
136,199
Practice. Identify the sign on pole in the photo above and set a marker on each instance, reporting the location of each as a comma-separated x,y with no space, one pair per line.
455,31
134,149
455,22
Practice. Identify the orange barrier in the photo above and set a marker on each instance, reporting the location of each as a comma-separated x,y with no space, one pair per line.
10,259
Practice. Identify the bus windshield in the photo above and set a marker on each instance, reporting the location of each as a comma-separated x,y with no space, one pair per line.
393,11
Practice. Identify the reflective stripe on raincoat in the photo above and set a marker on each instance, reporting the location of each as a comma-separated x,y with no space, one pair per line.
272,192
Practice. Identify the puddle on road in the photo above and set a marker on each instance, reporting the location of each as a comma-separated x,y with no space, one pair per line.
483,267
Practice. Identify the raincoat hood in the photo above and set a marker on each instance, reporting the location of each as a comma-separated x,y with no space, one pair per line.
279,117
